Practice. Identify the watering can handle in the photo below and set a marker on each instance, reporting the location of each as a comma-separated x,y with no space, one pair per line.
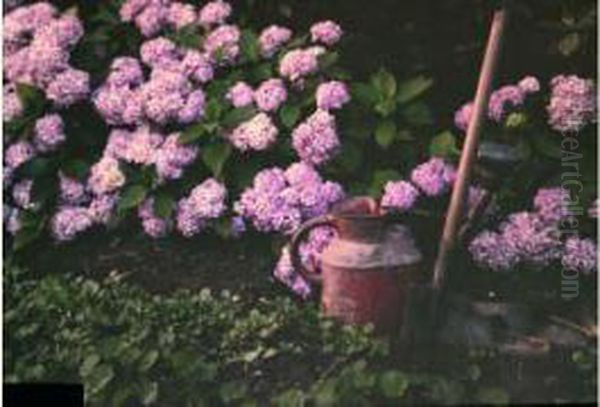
301,233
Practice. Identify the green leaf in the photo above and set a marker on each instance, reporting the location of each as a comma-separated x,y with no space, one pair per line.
350,157
89,363
32,225
393,384
97,380
328,60
148,360
75,169
413,88
149,393
364,93
385,133
213,110
239,115
37,167
249,45
163,205
192,133
547,144
32,98
187,37
289,115
215,156
493,396
418,114
444,145
132,197
385,84
386,107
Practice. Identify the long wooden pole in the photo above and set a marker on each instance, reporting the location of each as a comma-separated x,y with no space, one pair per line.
469,151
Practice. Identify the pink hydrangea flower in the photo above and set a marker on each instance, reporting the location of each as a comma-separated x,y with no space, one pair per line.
491,250
206,201
22,195
501,100
433,177
462,117
69,87
581,255
326,32
399,196
69,221
270,95
171,158
101,208
18,153
153,225
316,140
49,133
11,103
552,203
332,95
72,192
105,176
572,103
240,94
222,44
214,12
298,63
257,134
272,38
180,15
529,84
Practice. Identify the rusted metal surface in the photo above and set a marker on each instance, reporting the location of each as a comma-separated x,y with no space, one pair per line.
367,269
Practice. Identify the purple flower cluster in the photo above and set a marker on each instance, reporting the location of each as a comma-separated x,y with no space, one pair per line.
310,255
502,101
298,63
316,140
36,43
332,95
153,225
534,239
214,13
326,32
258,134
49,133
272,38
580,255
105,176
399,196
12,107
206,201
552,203
17,154
22,194
152,16
69,221
279,200
572,103
240,94
72,192
169,93
270,95
434,177
222,44
171,157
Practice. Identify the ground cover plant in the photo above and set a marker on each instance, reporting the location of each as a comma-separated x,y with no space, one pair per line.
183,143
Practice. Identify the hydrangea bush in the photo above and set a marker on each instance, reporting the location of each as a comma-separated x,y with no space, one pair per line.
172,115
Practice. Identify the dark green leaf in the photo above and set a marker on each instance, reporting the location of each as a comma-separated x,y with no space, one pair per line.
213,110
163,205
148,360
413,88
75,169
187,37
132,197
192,133
289,115
249,45
88,365
385,84
364,93
444,145
215,156
385,133
97,380
327,60
149,393
33,99
239,115
547,144
393,384
418,114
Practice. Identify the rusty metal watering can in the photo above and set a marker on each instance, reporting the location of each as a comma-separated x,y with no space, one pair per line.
367,269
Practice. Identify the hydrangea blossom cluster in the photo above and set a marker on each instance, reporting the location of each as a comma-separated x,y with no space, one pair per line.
272,38
22,194
279,200
12,107
310,254
153,225
206,201
502,101
222,44
270,95
298,63
326,32
241,94
316,140
580,255
572,103
332,95
152,16
169,94
534,239
214,13
258,134
49,133
70,221
434,177
399,195
37,41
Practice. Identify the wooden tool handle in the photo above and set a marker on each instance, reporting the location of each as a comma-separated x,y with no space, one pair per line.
469,151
